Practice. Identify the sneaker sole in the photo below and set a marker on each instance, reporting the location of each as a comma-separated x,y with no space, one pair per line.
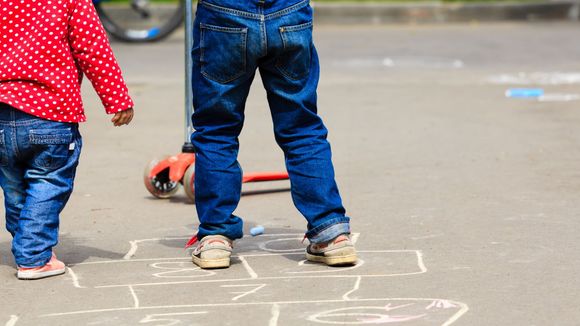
211,263
39,275
333,261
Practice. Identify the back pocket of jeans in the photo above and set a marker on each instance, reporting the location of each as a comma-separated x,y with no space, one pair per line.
294,62
3,152
50,147
223,52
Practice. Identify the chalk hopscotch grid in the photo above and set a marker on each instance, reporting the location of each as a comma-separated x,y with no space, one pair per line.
275,306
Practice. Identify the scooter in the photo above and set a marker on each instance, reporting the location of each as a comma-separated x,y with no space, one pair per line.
163,177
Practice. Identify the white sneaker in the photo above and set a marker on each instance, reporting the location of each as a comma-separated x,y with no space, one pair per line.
213,251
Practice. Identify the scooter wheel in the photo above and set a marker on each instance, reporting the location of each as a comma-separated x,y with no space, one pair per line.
159,185
189,182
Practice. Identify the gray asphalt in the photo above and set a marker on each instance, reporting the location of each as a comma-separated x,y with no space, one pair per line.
464,202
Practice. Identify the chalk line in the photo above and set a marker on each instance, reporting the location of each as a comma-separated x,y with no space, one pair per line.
75,279
151,318
354,237
243,294
275,315
135,244
345,297
358,264
233,256
454,318
135,298
248,268
428,236
132,250
253,279
190,267
420,261
12,321
264,245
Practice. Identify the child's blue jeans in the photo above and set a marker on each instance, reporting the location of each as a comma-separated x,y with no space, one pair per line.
233,39
38,160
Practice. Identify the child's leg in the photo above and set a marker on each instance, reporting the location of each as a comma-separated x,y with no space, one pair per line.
14,196
290,77
223,70
49,152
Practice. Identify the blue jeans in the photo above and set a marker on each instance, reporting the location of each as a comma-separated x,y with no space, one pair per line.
233,39
38,160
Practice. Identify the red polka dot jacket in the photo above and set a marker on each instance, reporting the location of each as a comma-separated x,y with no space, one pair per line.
45,48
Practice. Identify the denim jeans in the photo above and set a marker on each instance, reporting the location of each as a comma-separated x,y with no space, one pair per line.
38,160
232,40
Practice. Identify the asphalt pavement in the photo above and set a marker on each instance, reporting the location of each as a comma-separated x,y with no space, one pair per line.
464,202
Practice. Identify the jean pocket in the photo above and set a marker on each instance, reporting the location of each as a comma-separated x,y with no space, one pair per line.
294,62
51,147
3,151
223,52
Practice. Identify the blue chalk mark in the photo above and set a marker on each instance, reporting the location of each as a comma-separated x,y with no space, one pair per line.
524,92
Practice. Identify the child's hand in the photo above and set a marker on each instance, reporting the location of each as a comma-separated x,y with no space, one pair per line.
122,118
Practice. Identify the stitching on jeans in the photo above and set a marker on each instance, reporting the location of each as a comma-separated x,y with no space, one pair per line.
246,14
288,10
224,29
244,32
296,28
293,28
231,11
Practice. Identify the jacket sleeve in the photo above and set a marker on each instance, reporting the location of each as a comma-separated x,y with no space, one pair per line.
94,56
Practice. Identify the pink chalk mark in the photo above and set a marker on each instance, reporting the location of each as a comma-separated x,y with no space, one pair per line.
389,308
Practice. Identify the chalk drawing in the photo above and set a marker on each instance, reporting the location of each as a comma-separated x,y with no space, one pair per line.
364,315
557,97
135,245
243,294
315,269
346,296
345,309
393,313
264,245
441,304
329,269
428,236
12,321
536,78
407,309
134,296
181,270
275,315
247,266
74,278
168,321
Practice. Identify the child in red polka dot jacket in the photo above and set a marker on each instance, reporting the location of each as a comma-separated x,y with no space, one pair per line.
46,46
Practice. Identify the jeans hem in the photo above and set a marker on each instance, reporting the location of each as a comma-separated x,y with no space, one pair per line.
329,230
34,265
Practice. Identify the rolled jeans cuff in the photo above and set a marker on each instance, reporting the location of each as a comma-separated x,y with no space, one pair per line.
41,261
329,230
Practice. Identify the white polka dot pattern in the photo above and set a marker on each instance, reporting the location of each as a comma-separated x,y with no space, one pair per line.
45,48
